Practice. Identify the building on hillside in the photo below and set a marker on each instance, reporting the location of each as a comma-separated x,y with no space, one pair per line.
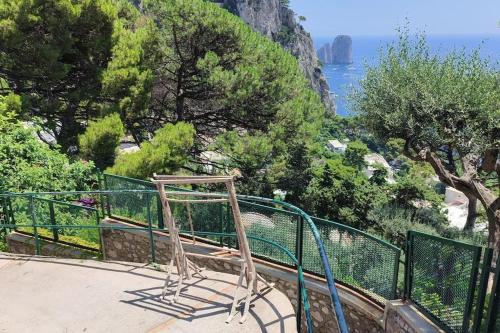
211,158
336,146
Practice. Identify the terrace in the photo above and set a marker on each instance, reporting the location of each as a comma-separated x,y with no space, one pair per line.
434,284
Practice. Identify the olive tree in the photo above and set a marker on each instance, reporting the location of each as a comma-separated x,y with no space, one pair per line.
447,112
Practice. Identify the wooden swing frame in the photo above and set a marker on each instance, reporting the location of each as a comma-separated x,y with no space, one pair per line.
185,267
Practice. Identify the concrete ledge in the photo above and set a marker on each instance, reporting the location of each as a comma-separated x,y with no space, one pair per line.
404,317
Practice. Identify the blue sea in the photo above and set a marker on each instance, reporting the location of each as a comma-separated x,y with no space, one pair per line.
365,50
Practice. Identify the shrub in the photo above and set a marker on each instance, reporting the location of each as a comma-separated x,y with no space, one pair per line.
100,141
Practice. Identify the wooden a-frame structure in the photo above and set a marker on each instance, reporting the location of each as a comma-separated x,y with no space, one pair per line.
185,267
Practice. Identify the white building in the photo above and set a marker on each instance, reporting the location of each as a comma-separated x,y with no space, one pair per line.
336,146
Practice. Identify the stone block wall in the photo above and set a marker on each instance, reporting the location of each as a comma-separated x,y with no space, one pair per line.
361,314
25,244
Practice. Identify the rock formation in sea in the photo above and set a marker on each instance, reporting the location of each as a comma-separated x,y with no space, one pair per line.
339,53
342,50
275,20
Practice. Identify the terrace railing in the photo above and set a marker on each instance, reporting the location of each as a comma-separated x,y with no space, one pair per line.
359,260
263,219
446,280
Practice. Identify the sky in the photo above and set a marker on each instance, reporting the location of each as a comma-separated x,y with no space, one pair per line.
381,17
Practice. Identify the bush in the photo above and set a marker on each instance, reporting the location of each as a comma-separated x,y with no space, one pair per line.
165,153
27,164
100,141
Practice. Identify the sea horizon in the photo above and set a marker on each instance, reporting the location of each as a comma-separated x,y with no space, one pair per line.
341,78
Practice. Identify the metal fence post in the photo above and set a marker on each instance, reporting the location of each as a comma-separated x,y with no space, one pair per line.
299,243
221,223
395,276
494,305
101,185
472,288
53,221
408,259
33,220
483,289
228,225
150,228
108,204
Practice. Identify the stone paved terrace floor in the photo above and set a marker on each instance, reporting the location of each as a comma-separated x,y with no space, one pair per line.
42,294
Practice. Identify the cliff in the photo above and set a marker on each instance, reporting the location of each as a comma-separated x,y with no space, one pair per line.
275,20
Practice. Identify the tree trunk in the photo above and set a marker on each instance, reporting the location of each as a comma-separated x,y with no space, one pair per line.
67,137
494,229
471,186
471,213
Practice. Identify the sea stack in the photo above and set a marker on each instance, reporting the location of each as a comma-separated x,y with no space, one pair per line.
342,50
325,54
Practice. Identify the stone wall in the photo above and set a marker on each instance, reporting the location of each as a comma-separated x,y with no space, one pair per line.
25,244
361,314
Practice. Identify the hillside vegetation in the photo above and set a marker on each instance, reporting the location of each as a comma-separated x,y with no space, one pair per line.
198,91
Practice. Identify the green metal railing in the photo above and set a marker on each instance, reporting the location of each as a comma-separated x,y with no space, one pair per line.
443,277
358,259
262,218
33,220
446,279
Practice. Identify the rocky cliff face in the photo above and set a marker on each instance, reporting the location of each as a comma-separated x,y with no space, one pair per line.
276,21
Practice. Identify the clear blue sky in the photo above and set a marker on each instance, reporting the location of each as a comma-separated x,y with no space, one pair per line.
381,17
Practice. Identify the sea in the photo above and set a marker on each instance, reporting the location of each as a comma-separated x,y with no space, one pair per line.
366,50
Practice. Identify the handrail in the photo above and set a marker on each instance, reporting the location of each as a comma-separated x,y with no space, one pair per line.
64,203
359,232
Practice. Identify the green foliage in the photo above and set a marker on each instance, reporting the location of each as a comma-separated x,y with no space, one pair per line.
340,193
165,153
27,164
393,223
53,53
431,102
413,192
442,111
200,64
379,174
3,243
355,154
101,139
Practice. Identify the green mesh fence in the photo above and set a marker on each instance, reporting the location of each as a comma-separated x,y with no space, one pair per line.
269,223
133,206
442,278
357,258
57,213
